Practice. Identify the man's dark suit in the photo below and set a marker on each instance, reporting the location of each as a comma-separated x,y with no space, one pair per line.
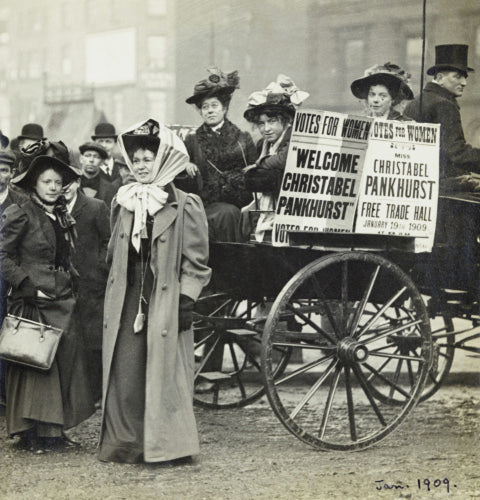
93,232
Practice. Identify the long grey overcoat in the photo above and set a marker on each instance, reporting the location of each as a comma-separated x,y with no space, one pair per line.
179,256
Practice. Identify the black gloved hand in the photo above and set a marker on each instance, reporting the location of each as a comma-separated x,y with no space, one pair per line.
27,290
185,312
260,179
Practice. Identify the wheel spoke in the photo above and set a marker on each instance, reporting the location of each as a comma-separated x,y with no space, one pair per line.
395,377
307,320
207,356
396,356
250,356
324,302
237,370
351,409
410,372
367,392
328,404
303,369
385,379
385,363
204,340
363,303
373,320
313,389
344,296
393,330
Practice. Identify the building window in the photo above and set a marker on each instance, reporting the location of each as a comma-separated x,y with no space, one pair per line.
157,7
353,55
157,105
157,52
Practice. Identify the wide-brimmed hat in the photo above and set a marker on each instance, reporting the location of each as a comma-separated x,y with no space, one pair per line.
280,96
217,84
94,146
4,140
388,74
104,131
7,157
32,131
146,135
453,57
69,172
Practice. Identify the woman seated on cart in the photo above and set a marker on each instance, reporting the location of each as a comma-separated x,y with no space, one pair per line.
219,151
382,88
271,110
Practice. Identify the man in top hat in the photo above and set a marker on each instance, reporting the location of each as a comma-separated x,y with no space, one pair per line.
106,136
94,185
31,132
438,104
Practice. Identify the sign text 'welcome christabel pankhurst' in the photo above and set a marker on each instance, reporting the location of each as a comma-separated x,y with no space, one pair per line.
349,174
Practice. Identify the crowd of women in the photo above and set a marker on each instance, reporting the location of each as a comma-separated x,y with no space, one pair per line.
158,261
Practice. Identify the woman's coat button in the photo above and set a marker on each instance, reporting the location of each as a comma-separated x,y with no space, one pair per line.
164,333
163,238
112,280
122,235
164,286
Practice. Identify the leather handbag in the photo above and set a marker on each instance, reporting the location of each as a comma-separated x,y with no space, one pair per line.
28,342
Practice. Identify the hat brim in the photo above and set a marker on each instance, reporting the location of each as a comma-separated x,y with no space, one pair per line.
90,147
32,138
254,111
132,140
4,140
452,67
395,85
215,92
69,173
109,136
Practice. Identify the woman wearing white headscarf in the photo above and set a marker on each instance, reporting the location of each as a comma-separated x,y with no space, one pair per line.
158,253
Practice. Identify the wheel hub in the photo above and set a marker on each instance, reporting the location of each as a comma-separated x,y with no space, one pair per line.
350,350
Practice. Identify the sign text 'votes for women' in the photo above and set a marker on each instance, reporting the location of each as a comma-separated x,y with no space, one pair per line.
355,174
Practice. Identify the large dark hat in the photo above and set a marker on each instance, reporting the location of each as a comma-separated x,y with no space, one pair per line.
69,172
281,96
7,157
94,146
215,85
104,131
145,136
4,140
453,57
32,131
388,74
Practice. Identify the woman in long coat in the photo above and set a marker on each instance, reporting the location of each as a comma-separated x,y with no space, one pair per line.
36,239
220,150
159,253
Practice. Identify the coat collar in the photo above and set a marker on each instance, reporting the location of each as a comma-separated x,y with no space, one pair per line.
161,221
440,91
79,204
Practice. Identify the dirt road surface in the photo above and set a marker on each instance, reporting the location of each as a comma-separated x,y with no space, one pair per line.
246,454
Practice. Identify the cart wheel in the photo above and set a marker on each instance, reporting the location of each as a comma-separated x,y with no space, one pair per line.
353,307
442,359
227,354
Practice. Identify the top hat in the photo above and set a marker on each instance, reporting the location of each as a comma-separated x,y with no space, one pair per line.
4,140
32,131
215,85
104,131
69,173
388,74
453,57
7,157
94,146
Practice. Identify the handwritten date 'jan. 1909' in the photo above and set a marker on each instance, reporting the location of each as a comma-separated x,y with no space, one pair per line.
421,484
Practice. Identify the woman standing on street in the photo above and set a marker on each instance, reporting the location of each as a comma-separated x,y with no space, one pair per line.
158,253
220,150
36,240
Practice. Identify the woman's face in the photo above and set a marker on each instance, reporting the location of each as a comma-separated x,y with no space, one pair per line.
379,100
49,185
213,111
143,160
271,128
